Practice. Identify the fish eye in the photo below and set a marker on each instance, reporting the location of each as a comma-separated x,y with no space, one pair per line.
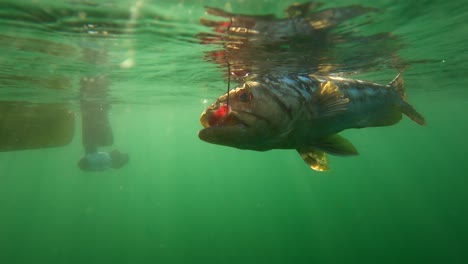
244,96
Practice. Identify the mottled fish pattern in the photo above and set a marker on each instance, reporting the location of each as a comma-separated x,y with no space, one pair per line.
303,112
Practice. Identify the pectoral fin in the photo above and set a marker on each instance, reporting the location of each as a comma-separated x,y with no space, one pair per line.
336,145
316,159
330,100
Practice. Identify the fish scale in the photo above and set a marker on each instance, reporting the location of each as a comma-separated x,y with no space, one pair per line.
356,90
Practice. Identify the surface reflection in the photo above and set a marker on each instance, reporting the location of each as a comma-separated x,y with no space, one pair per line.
307,40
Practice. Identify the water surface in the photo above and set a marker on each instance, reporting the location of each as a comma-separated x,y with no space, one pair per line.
181,200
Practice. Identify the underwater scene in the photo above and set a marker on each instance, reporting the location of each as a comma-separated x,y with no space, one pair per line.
210,131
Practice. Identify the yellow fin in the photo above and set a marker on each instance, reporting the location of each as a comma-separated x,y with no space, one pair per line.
330,100
316,159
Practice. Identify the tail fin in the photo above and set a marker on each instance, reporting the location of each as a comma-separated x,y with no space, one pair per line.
406,108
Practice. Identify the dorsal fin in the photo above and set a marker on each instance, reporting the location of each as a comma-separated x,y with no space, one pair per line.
398,84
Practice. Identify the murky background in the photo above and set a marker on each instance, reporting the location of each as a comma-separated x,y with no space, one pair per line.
181,200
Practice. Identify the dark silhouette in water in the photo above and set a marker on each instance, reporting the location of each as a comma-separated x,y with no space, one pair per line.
26,126
96,128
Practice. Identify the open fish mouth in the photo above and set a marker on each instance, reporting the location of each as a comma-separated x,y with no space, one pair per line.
229,130
237,129
210,119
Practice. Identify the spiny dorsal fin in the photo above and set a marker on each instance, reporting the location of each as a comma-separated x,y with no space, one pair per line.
330,100
398,84
316,159
336,145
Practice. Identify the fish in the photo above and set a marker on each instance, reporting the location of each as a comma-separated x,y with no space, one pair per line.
304,112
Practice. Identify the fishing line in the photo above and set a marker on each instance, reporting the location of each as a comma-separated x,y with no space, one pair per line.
226,52
229,83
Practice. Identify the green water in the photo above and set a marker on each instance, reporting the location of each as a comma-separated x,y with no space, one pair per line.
181,200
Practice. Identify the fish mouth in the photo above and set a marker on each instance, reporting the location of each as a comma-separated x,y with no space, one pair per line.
230,130
239,129
231,119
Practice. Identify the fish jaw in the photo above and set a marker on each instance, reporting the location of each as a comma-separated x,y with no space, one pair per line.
222,135
228,131
236,129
